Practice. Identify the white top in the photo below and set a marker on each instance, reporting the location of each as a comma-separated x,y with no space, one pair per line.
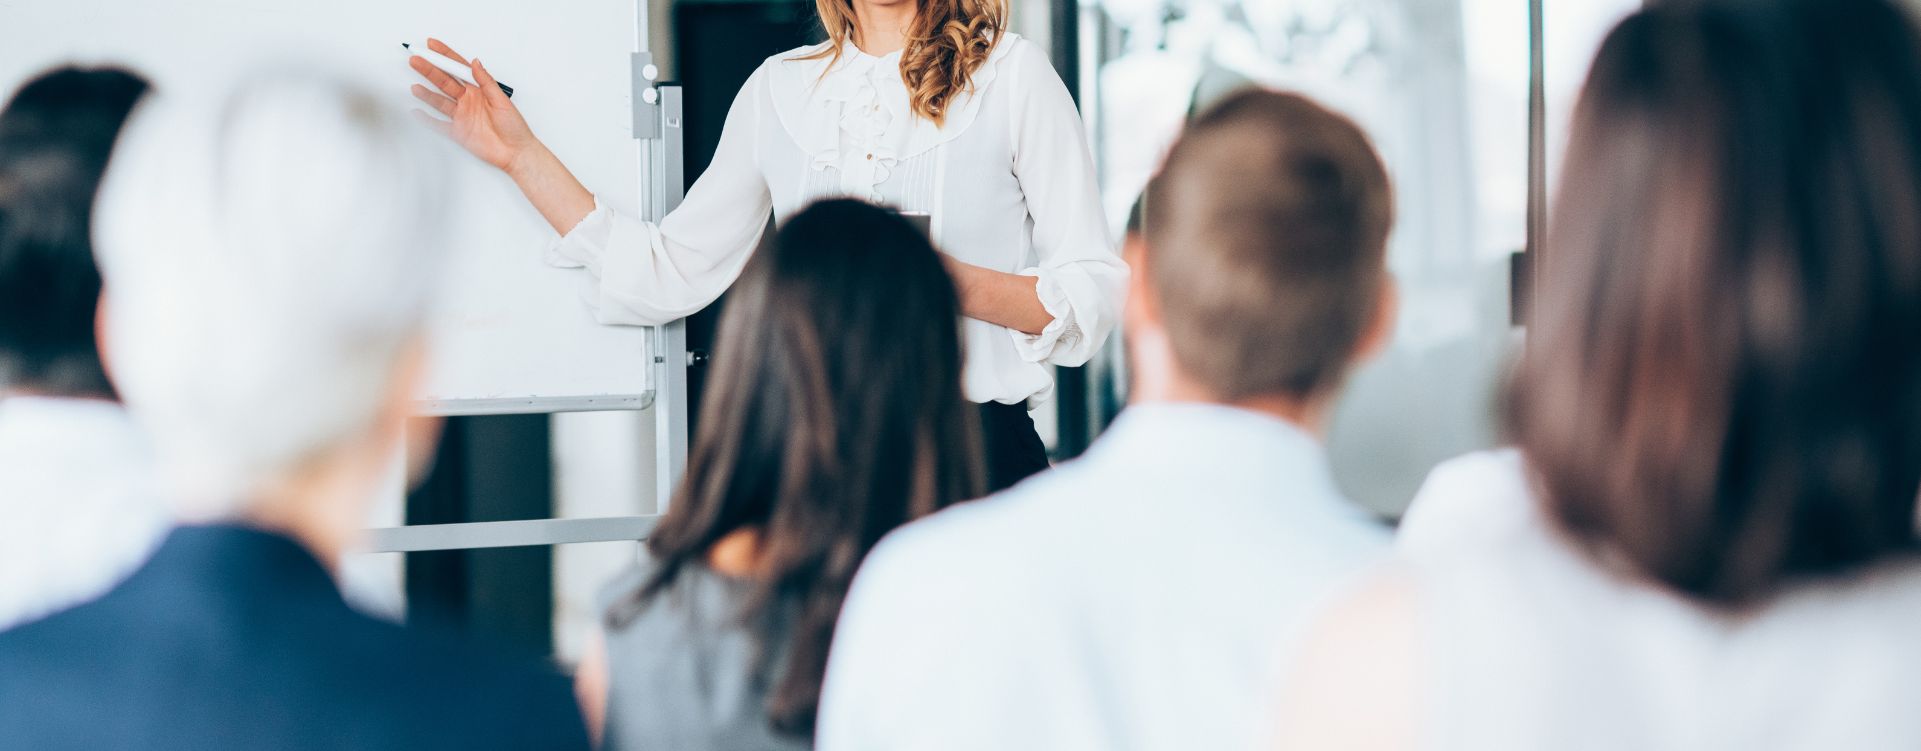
1533,646
1008,182
1136,598
76,515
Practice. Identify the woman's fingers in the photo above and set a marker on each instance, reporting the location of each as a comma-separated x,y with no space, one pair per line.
427,96
442,48
488,86
447,84
440,126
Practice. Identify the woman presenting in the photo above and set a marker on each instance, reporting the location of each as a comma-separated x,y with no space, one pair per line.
921,105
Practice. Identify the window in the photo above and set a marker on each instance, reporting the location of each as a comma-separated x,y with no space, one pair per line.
1442,86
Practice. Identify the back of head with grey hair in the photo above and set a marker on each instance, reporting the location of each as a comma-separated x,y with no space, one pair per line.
268,258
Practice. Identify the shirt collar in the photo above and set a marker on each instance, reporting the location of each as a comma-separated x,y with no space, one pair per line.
46,408
43,421
851,51
242,559
1217,441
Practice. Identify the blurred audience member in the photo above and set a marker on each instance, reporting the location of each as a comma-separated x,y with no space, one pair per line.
1129,600
1705,538
836,416
76,514
268,259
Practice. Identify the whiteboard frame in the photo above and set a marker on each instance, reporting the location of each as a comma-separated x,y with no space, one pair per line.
532,405
472,535
658,193
663,189
670,349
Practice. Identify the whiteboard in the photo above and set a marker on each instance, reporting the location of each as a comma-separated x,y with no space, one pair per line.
511,330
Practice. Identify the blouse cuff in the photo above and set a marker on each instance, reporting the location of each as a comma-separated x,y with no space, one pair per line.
1061,334
582,245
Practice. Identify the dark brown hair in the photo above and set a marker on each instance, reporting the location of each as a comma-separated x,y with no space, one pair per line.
55,135
1266,231
1722,385
835,415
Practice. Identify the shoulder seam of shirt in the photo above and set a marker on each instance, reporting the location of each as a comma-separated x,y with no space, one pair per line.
759,82
796,54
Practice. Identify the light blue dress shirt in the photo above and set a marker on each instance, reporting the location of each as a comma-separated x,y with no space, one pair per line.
1141,597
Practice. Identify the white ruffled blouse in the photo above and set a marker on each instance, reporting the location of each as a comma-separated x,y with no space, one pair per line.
1007,181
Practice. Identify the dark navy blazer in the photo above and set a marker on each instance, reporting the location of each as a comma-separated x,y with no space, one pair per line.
235,638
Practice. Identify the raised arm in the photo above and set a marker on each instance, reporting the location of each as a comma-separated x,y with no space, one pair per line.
486,123
649,273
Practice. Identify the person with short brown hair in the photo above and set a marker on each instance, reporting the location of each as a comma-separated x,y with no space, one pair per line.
1129,599
1274,215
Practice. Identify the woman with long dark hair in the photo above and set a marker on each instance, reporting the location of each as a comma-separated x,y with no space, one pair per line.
835,416
1706,538
927,106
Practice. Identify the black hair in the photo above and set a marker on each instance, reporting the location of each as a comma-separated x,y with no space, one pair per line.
835,415
55,136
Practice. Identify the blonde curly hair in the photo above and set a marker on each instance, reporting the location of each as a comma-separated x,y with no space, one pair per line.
949,41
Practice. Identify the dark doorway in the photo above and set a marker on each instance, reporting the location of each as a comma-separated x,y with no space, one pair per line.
717,45
495,468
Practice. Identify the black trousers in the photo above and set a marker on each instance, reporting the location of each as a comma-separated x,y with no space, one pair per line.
1013,450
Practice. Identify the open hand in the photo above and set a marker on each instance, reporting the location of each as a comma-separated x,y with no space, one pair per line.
480,118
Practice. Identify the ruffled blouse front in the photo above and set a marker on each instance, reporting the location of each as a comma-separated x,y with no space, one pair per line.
1007,182
862,125
857,124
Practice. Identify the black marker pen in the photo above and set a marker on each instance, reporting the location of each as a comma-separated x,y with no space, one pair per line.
448,66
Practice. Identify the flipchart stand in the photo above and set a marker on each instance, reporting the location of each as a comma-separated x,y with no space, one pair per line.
660,139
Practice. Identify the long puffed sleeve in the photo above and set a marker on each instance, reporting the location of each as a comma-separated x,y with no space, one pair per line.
652,274
1081,278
